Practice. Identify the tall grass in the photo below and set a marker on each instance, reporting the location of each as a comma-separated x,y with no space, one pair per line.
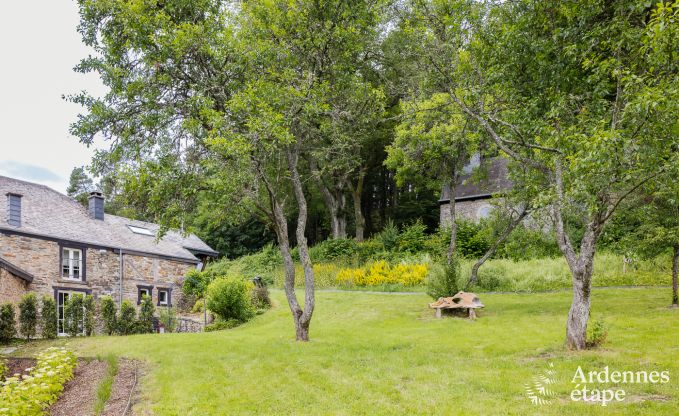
503,275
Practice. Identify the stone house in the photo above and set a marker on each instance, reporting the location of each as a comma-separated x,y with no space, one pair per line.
53,246
473,197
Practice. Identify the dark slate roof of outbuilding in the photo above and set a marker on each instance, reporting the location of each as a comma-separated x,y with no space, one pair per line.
16,271
48,213
497,181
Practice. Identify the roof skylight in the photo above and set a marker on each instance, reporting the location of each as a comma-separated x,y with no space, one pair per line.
140,230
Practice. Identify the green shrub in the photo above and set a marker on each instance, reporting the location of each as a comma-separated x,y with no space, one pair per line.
7,326
443,280
229,298
220,325
389,236
597,333
109,315
48,318
368,250
333,249
473,239
24,396
413,238
199,306
146,313
168,317
525,244
74,315
128,319
88,305
264,264
196,282
28,315
260,297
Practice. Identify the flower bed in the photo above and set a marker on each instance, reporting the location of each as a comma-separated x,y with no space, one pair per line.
32,394
381,272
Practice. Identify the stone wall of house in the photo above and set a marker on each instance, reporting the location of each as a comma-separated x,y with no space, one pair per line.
41,259
159,273
12,288
467,210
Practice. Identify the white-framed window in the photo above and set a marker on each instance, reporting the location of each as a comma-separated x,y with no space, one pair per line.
163,297
71,263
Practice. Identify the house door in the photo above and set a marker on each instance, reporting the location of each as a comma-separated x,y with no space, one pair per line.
62,298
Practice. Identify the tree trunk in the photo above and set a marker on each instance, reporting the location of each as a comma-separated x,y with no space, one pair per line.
675,272
473,278
453,224
281,227
304,319
581,266
335,201
578,316
356,194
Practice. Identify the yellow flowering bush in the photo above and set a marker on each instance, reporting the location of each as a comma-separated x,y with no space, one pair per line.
324,273
32,394
381,272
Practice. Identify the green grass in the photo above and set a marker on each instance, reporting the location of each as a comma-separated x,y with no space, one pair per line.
376,354
105,385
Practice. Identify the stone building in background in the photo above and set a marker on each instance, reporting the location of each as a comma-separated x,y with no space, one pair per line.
473,197
53,246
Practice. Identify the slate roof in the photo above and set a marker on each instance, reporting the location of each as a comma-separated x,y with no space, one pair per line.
16,271
48,213
496,181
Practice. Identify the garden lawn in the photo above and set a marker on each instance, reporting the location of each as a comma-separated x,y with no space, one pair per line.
384,354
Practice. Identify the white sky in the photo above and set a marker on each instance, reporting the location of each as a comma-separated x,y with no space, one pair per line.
39,46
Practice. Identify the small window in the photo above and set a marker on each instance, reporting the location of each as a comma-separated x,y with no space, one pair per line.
140,230
163,297
14,210
71,263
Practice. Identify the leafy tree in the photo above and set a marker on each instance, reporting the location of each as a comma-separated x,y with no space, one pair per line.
48,318
221,105
79,185
28,315
7,325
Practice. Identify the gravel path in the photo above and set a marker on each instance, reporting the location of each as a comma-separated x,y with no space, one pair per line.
80,392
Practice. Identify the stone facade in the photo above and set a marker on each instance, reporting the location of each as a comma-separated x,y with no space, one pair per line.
41,258
12,288
471,210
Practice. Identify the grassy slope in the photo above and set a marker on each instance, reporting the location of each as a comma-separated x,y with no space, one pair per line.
384,354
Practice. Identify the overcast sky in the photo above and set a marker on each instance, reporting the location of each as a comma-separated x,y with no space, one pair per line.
40,46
